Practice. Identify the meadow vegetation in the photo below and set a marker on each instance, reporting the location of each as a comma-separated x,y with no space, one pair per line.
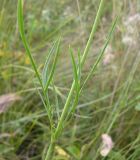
69,77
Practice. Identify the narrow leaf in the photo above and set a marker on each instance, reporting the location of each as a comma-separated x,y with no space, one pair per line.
53,65
45,72
101,53
24,40
74,68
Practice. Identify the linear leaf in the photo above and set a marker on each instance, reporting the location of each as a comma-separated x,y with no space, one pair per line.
24,40
75,71
45,72
50,76
91,72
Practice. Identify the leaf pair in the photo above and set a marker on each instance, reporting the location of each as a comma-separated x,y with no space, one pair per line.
47,73
77,77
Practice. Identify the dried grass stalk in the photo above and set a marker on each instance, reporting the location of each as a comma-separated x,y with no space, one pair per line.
7,100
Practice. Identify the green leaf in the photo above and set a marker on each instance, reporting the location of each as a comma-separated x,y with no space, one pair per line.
55,61
24,40
94,67
48,73
75,70
79,64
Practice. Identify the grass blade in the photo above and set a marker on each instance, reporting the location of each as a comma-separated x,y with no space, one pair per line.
24,40
100,54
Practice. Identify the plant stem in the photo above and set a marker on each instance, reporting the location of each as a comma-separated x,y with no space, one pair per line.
50,151
64,112
28,52
66,106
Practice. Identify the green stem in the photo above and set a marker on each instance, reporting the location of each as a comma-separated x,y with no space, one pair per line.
28,52
50,151
64,112
95,25
66,107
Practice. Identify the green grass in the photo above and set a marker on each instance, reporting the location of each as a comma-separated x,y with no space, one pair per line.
69,97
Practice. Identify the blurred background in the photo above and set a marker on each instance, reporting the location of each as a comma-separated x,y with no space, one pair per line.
115,87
